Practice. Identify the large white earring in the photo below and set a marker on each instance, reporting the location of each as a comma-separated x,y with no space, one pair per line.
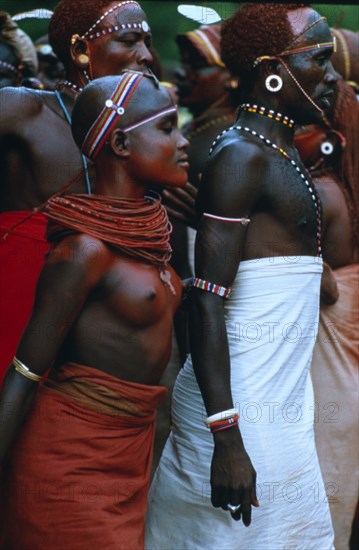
277,86
327,148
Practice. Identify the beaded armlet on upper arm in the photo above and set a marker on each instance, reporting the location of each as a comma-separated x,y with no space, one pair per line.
243,221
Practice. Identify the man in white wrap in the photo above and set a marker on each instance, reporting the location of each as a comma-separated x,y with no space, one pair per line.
260,233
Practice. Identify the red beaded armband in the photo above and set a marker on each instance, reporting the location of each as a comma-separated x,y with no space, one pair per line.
211,287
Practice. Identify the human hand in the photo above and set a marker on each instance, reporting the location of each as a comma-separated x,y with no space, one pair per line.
233,478
329,292
180,203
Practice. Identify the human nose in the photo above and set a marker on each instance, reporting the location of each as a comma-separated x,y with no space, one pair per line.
143,55
331,76
183,142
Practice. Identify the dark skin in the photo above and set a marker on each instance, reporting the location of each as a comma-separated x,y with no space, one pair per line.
201,88
244,178
38,154
7,77
93,305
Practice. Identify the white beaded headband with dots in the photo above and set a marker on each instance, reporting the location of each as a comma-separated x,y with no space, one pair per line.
90,34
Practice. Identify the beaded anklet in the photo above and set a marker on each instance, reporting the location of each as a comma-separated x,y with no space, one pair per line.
269,113
211,287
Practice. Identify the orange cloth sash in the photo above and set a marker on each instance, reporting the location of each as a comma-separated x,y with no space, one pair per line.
80,469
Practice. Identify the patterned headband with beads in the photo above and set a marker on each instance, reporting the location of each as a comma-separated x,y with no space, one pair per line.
91,34
9,68
114,108
332,44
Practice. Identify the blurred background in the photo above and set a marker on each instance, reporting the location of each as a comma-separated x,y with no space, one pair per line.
166,22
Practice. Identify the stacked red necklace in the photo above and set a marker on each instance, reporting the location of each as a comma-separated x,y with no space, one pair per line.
307,180
269,113
138,228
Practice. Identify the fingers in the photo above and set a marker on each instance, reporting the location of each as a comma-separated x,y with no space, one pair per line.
228,500
220,497
184,195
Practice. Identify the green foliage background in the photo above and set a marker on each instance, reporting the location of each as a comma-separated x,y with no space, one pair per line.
166,22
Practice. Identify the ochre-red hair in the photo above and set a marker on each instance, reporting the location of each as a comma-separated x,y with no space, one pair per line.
345,168
73,17
255,30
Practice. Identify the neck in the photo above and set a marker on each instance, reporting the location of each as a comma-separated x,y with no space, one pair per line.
112,179
76,77
219,107
269,122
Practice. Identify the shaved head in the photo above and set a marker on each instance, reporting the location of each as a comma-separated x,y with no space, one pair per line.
147,99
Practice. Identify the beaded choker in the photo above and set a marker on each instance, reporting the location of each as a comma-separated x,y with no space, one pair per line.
306,179
138,228
269,113
72,87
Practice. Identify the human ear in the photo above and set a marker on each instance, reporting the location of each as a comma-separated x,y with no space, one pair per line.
119,143
79,52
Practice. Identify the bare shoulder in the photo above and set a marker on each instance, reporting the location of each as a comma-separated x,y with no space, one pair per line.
331,195
19,105
80,254
234,176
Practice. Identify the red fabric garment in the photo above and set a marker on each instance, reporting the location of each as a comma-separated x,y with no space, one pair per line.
80,469
22,255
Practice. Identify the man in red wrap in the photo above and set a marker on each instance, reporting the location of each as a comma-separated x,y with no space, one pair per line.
76,448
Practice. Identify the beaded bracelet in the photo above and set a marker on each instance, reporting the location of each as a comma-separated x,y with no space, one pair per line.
211,287
224,424
223,415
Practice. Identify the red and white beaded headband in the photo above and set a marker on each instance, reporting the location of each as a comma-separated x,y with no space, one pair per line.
91,34
114,108
332,44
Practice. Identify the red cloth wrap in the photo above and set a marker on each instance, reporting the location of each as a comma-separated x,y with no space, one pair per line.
80,469
22,255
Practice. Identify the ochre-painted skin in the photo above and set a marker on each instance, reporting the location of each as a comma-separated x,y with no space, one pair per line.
37,152
95,305
118,312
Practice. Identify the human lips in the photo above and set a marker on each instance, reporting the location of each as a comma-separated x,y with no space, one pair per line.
183,161
327,100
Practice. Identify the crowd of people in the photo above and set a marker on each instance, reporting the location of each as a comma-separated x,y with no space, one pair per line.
236,232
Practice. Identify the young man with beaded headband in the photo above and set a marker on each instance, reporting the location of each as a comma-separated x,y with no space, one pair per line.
38,156
109,296
254,310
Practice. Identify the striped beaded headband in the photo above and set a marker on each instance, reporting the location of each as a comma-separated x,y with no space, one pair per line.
113,109
201,39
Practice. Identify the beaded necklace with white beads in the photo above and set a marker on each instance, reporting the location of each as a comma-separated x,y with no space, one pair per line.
306,178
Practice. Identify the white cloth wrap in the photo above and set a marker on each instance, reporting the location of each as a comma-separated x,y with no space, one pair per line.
272,321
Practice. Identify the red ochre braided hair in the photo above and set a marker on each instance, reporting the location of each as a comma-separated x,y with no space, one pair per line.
345,167
73,17
255,30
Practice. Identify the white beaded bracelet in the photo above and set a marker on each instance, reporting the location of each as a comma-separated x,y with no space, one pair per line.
224,415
